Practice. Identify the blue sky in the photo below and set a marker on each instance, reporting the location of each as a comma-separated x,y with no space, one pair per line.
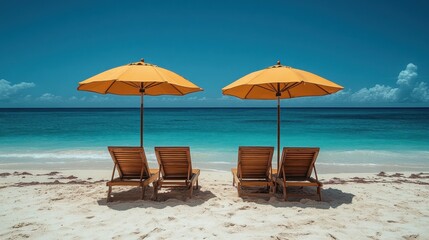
377,50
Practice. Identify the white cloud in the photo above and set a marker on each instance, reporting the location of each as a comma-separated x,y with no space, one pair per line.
421,92
97,98
7,89
338,96
378,93
407,89
49,97
196,98
92,99
224,98
166,99
407,76
228,98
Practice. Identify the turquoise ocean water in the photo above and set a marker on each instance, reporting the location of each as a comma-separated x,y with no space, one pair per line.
351,139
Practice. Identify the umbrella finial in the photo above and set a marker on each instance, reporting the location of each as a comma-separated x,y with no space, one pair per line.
278,62
142,60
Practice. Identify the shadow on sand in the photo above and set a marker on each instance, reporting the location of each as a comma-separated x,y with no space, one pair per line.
331,198
127,199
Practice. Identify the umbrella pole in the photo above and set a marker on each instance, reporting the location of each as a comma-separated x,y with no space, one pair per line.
141,117
278,131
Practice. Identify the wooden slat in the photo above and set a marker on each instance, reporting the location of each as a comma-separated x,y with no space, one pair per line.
176,167
254,161
131,164
174,160
256,183
296,167
130,160
298,161
253,168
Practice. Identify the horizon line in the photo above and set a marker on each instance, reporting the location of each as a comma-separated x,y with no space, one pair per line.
289,107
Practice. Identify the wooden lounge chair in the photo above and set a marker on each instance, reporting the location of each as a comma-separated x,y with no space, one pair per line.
296,167
175,169
132,167
254,170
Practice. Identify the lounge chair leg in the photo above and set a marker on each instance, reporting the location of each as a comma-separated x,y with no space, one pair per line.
191,191
143,191
155,191
108,193
320,193
284,193
233,181
239,189
197,185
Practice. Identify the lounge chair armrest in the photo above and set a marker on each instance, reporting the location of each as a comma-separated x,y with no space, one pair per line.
315,181
274,172
153,171
153,178
195,175
234,173
113,180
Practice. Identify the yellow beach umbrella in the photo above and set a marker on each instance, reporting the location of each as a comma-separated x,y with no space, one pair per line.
140,79
279,82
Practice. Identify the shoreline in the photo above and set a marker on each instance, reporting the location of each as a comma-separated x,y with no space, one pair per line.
211,107
329,161
105,174
322,168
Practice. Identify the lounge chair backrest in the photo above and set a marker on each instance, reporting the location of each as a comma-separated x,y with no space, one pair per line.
130,162
254,162
298,162
174,162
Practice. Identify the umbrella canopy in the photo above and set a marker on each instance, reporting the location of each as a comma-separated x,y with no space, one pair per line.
133,78
289,82
279,82
140,79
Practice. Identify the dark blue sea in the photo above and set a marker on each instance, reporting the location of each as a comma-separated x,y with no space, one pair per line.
349,138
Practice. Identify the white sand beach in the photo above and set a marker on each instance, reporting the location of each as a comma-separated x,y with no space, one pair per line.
72,205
